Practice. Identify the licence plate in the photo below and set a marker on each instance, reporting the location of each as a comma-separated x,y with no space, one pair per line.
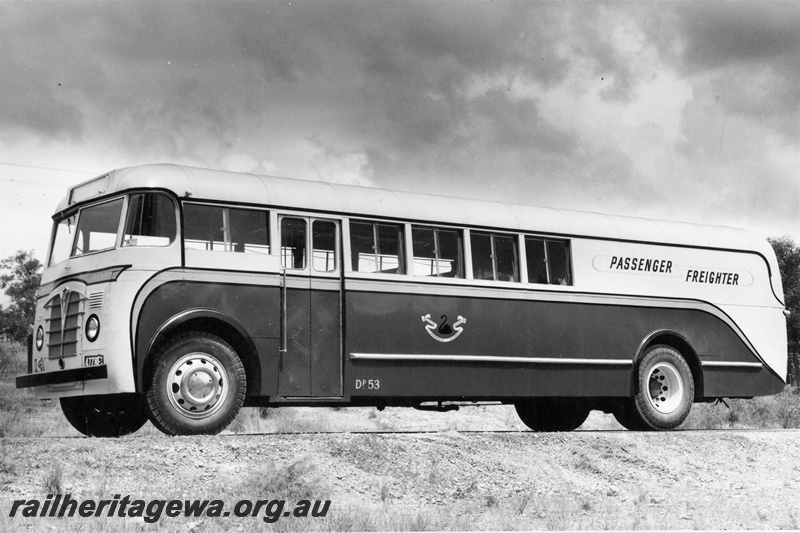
92,360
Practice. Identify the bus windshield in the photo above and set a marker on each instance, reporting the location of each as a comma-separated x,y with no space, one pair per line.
97,227
151,221
96,230
62,243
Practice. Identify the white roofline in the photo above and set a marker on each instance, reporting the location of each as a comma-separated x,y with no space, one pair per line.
223,186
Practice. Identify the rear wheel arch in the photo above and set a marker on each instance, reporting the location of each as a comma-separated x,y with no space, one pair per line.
679,343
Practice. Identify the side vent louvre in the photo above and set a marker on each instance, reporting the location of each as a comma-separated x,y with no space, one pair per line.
96,300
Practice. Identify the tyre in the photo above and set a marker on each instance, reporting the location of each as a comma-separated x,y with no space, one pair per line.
629,418
553,414
197,385
665,390
112,415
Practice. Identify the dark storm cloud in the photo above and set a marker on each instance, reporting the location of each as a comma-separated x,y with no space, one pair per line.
754,50
514,123
39,80
408,63
721,34
39,107
418,88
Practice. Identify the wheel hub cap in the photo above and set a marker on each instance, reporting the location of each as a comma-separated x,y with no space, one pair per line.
665,388
197,385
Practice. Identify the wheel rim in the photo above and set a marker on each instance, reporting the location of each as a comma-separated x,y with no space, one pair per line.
665,388
197,385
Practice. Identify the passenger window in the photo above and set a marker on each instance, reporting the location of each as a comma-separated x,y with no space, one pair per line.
438,252
548,261
537,261
323,245
225,229
481,256
558,260
249,229
505,256
150,221
494,257
293,243
203,227
377,247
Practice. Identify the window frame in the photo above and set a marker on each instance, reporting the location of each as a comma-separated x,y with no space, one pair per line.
461,258
176,216
402,254
309,220
227,241
517,260
336,246
548,267
80,214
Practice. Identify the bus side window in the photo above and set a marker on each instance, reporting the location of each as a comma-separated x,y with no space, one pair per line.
494,257
150,221
537,261
323,245
225,229
376,247
293,243
481,255
390,248
438,252
505,256
558,261
204,227
249,230
548,261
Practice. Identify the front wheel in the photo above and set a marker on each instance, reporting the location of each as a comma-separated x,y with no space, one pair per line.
665,390
553,414
629,418
113,415
197,385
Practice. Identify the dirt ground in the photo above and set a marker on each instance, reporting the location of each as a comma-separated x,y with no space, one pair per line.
600,477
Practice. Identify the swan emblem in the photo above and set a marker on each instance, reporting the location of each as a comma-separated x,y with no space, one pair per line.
443,328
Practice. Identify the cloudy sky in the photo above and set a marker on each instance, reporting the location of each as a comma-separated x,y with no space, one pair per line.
680,111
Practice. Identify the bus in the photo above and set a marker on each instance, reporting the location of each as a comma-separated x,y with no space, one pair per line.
179,295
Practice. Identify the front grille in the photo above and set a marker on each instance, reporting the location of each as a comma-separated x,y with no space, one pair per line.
63,331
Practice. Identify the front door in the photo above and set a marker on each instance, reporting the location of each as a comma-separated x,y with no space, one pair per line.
311,357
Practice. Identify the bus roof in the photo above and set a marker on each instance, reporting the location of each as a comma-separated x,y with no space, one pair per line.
223,186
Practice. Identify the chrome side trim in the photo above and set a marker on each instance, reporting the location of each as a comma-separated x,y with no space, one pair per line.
731,364
487,359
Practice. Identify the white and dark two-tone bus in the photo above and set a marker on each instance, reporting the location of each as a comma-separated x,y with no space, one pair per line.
179,295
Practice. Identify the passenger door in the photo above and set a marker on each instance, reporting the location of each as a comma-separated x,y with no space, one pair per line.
311,299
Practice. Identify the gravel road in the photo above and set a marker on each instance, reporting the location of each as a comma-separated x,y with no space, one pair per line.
603,479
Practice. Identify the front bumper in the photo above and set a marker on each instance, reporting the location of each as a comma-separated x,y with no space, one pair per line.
62,376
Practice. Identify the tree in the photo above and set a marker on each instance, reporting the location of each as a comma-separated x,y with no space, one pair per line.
788,255
20,284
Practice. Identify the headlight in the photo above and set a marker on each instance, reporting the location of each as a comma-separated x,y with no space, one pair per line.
39,338
92,328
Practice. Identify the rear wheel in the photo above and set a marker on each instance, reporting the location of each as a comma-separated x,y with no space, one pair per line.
112,415
553,414
197,385
665,392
